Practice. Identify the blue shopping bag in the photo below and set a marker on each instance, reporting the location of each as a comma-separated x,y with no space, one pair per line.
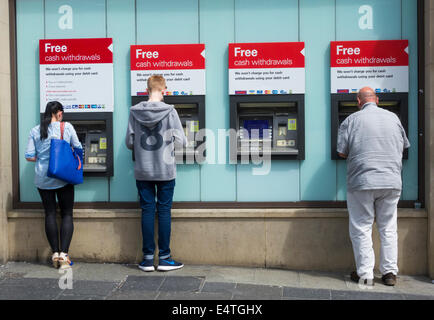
66,163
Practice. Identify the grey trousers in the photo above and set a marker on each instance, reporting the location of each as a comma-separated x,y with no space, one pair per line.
363,207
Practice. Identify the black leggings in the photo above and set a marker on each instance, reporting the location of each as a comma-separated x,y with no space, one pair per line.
65,196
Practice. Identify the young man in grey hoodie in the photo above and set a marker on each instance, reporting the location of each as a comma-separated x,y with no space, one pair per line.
154,131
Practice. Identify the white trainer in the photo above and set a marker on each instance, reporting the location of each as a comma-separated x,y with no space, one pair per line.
55,260
65,262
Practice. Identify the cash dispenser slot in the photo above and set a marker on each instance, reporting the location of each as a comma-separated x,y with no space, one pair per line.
345,104
273,124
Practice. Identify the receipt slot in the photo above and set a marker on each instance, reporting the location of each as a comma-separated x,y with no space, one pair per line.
95,132
270,123
191,112
342,105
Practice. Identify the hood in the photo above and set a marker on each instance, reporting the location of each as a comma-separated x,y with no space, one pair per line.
150,114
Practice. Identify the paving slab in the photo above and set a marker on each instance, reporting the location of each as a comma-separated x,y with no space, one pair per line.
181,283
29,289
79,297
232,274
139,283
418,285
219,287
12,275
31,283
133,295
194,296
189,270
417,297
23,293
324,280
101,272
306,293
276,277
92,288
33,270
364,295
252,291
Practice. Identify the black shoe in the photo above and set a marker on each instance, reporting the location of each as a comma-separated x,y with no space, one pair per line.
389,279
147,265
356,278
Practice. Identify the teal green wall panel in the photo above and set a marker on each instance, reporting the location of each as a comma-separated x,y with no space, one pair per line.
216,24
121,25
409,32
187,186
30,28
218,181
386,20
317,171
93,189
281,184
341,180
266,21
187,182
88,19
167,21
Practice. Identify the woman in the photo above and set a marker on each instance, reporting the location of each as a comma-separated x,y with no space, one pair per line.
38,150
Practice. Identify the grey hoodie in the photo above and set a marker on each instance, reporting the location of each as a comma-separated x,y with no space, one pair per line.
153,131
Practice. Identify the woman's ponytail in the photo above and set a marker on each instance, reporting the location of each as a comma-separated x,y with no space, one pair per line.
52,108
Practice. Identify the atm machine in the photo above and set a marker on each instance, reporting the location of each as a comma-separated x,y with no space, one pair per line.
344,104
89,108
95,132
191,111
267,121
379,64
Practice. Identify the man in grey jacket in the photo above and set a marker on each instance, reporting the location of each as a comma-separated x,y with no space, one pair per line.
373,141
154,131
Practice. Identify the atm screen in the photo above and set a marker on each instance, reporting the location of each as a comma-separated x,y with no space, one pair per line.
260,125
348,107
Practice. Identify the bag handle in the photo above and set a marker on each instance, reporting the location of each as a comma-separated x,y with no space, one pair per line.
79,162
62,128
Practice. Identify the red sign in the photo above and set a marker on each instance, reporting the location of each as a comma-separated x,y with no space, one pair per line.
266,55
75,51
168,57
383,53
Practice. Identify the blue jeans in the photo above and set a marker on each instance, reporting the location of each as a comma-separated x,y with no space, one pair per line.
164,194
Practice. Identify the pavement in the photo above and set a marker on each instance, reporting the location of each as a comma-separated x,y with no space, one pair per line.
92,281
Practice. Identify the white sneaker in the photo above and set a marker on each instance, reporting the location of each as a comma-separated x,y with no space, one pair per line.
65,262
55,260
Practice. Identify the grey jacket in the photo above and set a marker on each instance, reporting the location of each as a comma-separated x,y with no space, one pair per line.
154,130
